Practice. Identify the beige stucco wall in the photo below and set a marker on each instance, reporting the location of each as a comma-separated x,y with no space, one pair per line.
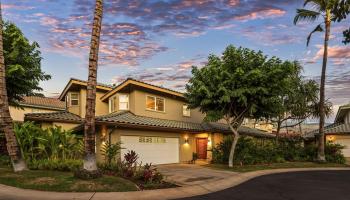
17,114
173,108
101,107
185,149
343,140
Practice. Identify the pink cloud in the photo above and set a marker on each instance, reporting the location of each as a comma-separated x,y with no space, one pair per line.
261,14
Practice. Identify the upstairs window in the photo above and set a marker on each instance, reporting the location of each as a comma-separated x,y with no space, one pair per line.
119,102
186,111
123,102
155,103
74,99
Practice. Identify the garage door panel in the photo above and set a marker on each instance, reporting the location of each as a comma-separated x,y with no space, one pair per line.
153,152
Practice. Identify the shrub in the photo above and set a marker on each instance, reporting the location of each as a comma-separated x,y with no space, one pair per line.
86,175
57,165
334,153
110,169
129,164
251,151
5,160
110,151
52,143
149,174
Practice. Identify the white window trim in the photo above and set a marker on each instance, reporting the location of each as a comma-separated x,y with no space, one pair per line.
155,103
70,98
189,110
110,101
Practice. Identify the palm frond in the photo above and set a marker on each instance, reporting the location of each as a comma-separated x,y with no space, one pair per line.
306,15
319,5
318,28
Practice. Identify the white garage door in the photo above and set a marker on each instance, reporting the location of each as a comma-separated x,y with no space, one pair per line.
155,150
346,143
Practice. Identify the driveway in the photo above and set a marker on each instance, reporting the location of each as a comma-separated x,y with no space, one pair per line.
311,185
190,174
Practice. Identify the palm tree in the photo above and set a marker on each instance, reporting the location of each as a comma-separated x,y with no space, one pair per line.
328,10
5,118
89,126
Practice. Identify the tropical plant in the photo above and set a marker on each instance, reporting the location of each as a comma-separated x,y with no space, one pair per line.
129,164
110,151
14,152
332,10
89,125
50,144
235,86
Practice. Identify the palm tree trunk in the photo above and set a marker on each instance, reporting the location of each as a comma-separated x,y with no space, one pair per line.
321,140
89,126
5,118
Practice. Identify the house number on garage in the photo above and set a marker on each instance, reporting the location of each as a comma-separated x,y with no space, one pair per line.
152,140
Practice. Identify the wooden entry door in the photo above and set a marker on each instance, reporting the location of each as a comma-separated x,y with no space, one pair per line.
202,148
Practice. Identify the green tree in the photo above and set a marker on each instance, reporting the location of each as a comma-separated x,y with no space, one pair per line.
23,64
330,11
235,85
89,125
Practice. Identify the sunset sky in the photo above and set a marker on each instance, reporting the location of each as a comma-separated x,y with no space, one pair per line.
159,41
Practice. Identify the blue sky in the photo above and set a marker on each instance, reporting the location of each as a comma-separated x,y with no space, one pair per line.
159,41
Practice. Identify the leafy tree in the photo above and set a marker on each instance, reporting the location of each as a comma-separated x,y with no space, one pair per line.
6,124
89,125
23,64
330,11
235,85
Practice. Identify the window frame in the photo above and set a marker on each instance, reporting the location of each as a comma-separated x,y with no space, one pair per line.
188,109
77,99
128,102
155,103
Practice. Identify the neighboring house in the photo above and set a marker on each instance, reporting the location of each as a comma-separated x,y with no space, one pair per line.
152,120
339,131
35,104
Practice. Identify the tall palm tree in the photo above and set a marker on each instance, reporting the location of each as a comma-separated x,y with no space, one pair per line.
327,10
89,126
5,117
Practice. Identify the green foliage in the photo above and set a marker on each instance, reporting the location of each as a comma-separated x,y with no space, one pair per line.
5,160
237,84
149,174
334,153
51,144
55,165
23,64
252,151
110,151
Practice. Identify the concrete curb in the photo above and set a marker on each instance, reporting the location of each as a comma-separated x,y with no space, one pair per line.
13,193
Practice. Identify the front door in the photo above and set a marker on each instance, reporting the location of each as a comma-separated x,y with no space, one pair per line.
202,148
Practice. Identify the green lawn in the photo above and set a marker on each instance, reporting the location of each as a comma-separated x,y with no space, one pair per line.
63,181
249,168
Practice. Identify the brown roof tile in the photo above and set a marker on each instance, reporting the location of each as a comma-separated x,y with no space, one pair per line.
54,116
43,102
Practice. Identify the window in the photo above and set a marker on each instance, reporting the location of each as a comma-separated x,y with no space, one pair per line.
74,99
186,111
123,102
155,103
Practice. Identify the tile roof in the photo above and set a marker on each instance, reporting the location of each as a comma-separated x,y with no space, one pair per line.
43,102
54,116
126,117
99,84
336,128
130,119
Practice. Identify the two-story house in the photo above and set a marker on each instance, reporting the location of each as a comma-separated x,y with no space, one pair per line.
338,132
151,120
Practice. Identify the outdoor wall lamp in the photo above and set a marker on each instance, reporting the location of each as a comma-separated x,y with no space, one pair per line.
186,141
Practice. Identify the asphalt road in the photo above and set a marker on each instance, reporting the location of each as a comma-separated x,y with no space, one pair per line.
312,185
